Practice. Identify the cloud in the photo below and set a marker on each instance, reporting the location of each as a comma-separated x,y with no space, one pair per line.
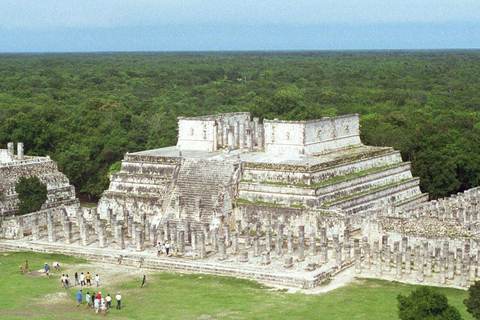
51,14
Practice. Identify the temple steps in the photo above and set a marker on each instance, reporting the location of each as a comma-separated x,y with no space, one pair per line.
389,194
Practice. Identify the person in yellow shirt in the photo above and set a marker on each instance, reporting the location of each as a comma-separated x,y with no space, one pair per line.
88,277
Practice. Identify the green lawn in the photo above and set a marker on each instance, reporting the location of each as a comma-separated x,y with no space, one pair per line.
177,296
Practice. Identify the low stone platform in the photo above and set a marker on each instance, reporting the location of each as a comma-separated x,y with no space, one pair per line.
274,274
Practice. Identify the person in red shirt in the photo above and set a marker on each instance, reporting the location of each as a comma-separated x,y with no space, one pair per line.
99,296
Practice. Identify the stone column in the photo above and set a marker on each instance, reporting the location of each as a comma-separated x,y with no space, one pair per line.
256,245
235,242
20,232
265,258
420,275
367,262
134,233
228,238
181,241
358,261
206,232
288,263
201,245
436,266
120,233
10,148
313,244
399,264
458,258
113,224
404,246
188,232
195,237
378,266
153,235
451,265
214,236
236,133
230,138
20,150
408,260
68,232
238,226
222,248
139,238
247,237
338,256
130,226
301,249
323,235
166,231
35,229
268,240
428,268
290,242
102,235
241,140
51,228
471,269
348,250
463,274
243,256
387,258
278,246
85,232
346,236
442,276
323,253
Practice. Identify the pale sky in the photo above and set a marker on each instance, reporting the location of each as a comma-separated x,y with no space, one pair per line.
166,25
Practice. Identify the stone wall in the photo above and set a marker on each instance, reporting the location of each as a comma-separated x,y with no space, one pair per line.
311,137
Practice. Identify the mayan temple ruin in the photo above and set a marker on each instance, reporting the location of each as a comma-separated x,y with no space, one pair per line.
288,203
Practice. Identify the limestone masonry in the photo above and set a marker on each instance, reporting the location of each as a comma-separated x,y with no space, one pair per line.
289,203
13,166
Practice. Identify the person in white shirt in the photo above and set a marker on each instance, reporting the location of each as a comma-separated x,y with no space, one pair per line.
82,279
97,279
119,300
109,301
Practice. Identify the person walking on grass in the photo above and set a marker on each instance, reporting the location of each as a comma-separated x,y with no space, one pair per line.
27,270
109,301
62,280
93,299
67,281
104,309
159,249
79,297
47,270
144,281
96,304
76,279
89,278
119,301
87,299
82,279
97,279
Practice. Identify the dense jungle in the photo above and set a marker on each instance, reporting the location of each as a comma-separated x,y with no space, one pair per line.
86,110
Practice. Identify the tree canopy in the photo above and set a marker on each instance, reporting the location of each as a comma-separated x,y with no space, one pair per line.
32,194
423,304
473,301
87,110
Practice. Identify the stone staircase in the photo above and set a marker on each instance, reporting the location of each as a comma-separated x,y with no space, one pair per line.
200,180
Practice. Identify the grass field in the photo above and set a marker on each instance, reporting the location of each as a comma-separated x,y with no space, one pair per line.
177,296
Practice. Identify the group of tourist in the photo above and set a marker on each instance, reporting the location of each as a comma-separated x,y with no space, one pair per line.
98,301
167,249
82,280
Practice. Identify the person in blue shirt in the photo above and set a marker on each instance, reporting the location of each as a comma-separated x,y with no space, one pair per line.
79,297
47,270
